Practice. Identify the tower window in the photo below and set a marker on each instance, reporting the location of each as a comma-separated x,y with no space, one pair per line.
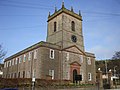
73,26
55,24
51,54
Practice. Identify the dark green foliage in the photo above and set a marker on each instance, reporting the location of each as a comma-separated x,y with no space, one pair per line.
110,65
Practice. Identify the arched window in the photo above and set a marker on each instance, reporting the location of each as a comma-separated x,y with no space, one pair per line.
73,26
55,25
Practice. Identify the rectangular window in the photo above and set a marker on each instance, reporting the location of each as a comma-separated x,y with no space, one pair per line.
51,54
67,56
10,63
35,54
16,60
55,24
81,58
20,59
89,77
51,73
89,60
13,62
19,75
5,65
29,55
24,59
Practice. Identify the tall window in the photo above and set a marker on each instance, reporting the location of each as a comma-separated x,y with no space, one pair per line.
81,59
67,56
5,65
89,77
55,26
19,75
30,55
10,63
51,54
13,62
24,59
35,54
51,73
89,60
73,26
23,74
16,60
20,59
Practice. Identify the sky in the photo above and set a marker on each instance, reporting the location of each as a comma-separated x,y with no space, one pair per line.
24,23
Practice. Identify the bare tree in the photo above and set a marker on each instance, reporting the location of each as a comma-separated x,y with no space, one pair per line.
116,55
2,53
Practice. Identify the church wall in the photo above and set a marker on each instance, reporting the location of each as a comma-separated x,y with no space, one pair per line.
70,57
49,64
90,65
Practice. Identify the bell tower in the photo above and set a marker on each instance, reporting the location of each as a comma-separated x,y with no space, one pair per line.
65,28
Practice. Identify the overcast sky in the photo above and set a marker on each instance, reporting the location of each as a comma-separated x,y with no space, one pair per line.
24,23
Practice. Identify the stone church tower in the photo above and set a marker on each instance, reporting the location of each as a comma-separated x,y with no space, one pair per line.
65,28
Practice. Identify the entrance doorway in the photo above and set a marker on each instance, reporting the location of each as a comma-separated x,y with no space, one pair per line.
74,70
74,74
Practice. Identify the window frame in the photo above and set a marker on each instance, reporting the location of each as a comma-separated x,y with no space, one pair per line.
89,61
67,56
89,76
55,26
35,53
52,73
73,26
24,57
29,56
81,58
52,54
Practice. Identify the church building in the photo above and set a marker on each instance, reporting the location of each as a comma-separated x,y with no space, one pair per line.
61,57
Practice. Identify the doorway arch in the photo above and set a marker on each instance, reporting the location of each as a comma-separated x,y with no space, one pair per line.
74,74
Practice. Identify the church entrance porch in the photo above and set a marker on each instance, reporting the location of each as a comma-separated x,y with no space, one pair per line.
74,70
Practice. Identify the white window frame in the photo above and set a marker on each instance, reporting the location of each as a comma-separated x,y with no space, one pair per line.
16,60
52,52
67,56
12,61
24,58
29,56
20,59
81,58
35,54
5,65
88,60
89,76
51,73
